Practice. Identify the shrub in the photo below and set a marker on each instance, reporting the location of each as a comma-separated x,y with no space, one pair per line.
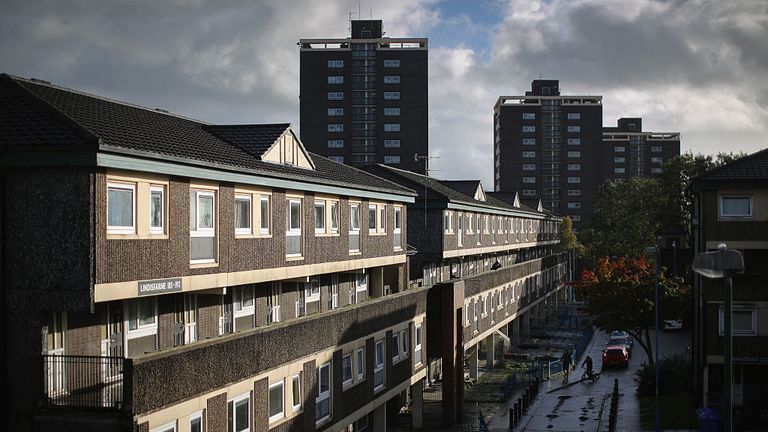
674,376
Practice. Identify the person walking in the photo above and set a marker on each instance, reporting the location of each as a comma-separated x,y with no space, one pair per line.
566,359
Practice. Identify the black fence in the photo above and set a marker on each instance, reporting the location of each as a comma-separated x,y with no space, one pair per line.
87,381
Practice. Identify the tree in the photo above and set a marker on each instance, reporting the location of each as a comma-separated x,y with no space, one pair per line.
568,240
625,218
620,295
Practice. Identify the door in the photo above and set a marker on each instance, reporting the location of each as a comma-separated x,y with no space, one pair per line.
114,344
273,302
225,320
56,371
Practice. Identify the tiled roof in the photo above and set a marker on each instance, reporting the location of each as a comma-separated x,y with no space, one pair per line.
749,168
437,190
40,114
467,187
509,197
253,138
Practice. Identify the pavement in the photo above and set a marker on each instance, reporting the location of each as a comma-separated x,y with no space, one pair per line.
563,405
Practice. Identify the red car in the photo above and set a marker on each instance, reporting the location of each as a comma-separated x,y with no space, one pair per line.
616,355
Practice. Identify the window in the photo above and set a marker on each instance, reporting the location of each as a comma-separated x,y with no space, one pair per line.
576,218
529,129
335,64
529,141
448,222
335,79
391,111
529,116
574,141
404,344
372,218
391,63
202,226
264,215
336,143
574,167
735,206
619,170
382,219
335,95
323,400
360,363
296,392
391,79
141,316
239,416
391,95
243,300
391,127
619,160
397,239
529,180
121,206
529,192
395,346
529,167
417,346
293,231
339,159
529,154
392,159
242,214
168,427
320,216
334,216
157,209
276,399
392,143
656,160
574,205
743,320
335,127
196,422
335,112
655,149
655,170
378,366
619,149
574,116
346,369
354,227
574,154
574,192
573,180
574,128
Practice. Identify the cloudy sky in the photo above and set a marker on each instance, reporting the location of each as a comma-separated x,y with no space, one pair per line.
699,67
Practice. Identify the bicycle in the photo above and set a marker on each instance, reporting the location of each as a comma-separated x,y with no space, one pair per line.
595,377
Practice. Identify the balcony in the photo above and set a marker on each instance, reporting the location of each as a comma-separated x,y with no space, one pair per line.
97,382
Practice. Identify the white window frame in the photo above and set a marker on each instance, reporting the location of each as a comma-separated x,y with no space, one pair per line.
237,301
404,344
375,218
396,345
120,229
728,216
204,232
333,210
361,283
281,414
198,415
738,308
296,378
290,230
398,224
157,229
249,198
142,330
347,382
237,399
262,229
417,344
354,230
319,206
359,364
321,396
378,362
170,426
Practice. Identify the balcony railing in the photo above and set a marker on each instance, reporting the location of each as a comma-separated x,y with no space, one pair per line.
87,381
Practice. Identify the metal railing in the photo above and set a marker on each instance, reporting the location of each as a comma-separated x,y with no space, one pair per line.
87,381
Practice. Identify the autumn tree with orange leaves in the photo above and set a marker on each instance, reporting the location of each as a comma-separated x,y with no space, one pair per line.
620,296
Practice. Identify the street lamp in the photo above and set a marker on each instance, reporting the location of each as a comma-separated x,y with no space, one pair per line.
654,250
723,264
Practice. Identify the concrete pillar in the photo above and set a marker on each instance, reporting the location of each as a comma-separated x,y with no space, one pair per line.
380,418
417,398
449,299
490,350
473,361
376,279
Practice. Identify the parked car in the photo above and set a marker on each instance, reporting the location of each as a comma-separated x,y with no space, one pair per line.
673,324
623,341
618,333
615,355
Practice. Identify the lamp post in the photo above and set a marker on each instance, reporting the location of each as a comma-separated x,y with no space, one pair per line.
654,250
723,264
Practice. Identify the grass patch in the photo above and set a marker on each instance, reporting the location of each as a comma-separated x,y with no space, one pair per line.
678,411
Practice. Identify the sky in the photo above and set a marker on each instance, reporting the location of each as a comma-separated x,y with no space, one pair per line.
698,67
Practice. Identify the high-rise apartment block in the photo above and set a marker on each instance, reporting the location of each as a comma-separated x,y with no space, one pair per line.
364,98
554,148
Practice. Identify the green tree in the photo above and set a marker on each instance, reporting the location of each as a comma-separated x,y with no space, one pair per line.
568,239
620,295
625,219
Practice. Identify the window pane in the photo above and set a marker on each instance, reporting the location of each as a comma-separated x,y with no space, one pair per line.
146,311
264,214
133,315
242,213
372,218
295,215
742,321
120,207
275,400
360,362
196,425
319,216
241,416
296,390
736,206
156,209
346,368
324,383
354,219
247,296
205,211
335,216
